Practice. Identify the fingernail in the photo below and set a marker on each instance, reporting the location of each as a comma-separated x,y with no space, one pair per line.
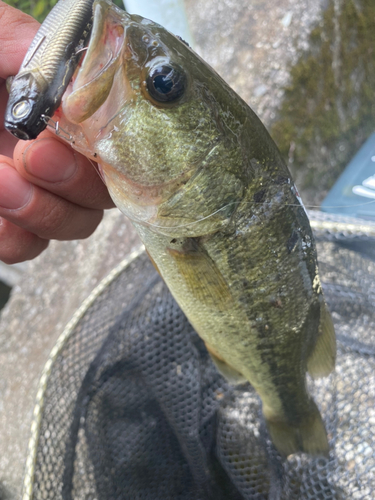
49,160
15,192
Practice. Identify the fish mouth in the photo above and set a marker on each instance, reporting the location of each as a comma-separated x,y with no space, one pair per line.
92,82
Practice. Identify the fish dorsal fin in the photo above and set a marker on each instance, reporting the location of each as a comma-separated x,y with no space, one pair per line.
322,359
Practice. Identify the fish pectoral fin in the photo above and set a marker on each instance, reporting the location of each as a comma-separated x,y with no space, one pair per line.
232,375
322,359
308,437
202,276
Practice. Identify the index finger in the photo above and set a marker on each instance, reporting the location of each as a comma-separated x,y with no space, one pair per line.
17,31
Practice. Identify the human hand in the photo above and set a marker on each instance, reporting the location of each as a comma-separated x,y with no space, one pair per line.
47,190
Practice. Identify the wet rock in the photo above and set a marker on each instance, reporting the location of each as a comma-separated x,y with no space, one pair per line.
328,109
252,44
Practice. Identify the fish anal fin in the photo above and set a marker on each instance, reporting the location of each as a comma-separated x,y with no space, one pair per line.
308,437
322,359
232,375
201,275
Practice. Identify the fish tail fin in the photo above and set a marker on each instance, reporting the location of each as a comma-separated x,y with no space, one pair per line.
309,436
322,359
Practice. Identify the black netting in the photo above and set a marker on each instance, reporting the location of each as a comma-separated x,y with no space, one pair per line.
134,408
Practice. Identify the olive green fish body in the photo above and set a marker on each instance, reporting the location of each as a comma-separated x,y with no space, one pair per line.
204,184
252,292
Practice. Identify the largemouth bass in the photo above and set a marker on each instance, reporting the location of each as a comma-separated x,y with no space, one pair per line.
192,166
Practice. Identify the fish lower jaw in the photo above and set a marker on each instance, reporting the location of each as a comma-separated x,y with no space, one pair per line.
141,215
137,213
144,212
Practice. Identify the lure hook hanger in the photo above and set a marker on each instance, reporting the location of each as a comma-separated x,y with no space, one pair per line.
55,125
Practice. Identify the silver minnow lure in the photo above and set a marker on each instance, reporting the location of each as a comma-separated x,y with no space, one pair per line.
36,91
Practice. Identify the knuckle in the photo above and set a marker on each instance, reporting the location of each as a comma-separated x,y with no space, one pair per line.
54,220
68,222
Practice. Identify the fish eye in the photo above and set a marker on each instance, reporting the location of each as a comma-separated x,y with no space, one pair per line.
166,83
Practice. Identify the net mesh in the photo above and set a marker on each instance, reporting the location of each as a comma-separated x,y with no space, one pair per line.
134,408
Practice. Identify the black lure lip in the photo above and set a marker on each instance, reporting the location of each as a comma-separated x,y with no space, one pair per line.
23,133
36,91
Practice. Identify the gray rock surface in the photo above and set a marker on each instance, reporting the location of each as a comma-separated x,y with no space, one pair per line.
251,44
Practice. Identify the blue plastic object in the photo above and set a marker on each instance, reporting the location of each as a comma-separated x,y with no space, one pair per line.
354,192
